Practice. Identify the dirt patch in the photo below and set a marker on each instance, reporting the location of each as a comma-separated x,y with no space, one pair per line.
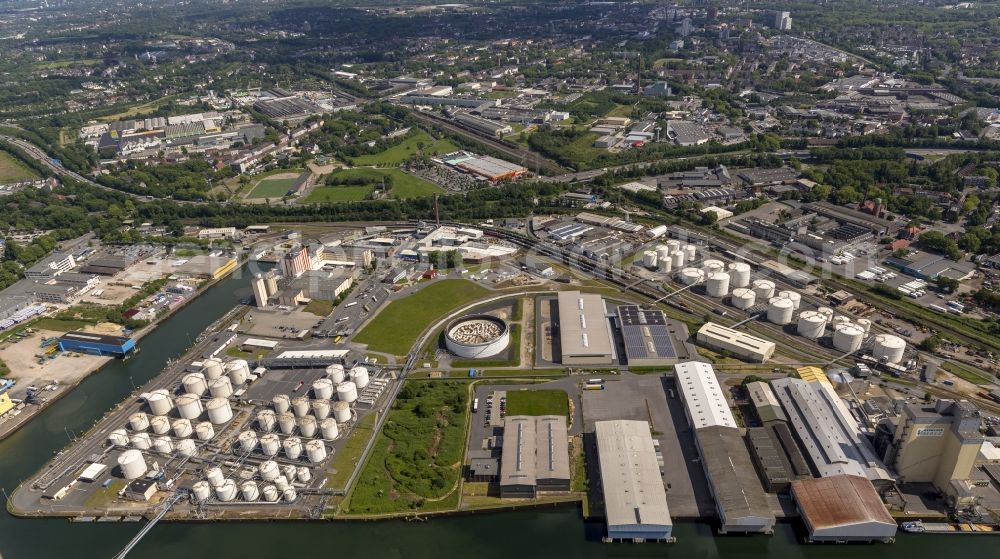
66,368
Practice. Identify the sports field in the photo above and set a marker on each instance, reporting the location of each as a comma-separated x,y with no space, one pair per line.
275,184
12,170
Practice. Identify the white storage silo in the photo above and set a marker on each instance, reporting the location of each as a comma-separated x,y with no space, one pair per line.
739,272
840,320
359,376
316,451
289,495
328,428
889,348
792,296
718,284
321,409
138,421
677,259
300,406
266,420
219,410
293,447
194,383
307,426
780,310
141,441
238,371
662,253
281,482
303,474
764,289
270,493
281,403
159,402
212,368
186,447
249,491
865,324
289,471
163,445
673,245
201,491
811,325
221,387
342,412
269,470
132,464
827,312
664,265
323,388
270,444
690,276
248,441
713,266
847,337
347,392
214,476
743,298
649,259
160,424
286,423
204,431
690,252
227,491
335,372
119,438
189,406
182,428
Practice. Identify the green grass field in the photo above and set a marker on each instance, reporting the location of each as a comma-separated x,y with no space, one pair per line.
319,307
965,373
403,185
398,326
333,194
404,150
343,463
12,170
272,188
537,402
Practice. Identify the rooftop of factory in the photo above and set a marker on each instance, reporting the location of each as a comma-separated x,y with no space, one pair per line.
645,333
734,480
583,326
838,501
630,474
703,397
534,448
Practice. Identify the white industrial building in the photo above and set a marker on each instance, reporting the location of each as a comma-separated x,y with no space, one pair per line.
831,437
635,501
584,329
842,508
739,344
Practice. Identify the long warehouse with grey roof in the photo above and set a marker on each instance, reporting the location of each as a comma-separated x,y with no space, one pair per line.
584,330
535,456
646,336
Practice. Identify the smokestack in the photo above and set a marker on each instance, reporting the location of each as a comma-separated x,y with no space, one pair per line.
437,211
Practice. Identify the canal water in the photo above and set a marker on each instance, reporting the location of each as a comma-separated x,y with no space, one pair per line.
548,533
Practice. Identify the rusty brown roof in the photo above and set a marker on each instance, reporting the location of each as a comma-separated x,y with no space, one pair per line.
839,500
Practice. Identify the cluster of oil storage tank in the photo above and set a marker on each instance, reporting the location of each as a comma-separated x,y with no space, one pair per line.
719,278
669,256
275,484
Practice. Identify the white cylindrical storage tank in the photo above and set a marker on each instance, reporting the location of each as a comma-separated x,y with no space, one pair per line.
848,337
138,421
792,296
286,422
249,491
219,410
713,266
323,388
300,406
266,420
321,409
316,451
163,445
673,245
270,493
201,490
827,312
186,447
649,259
743,298
303,474
889,348
840,320
269,471
160,424
221,387
215,476
238,371
865,324
811,325
194,383
289,472
347,392
328,428
718,284
182,428
739,272
690,252
307,426
270,444
204,431
227,491
662,252
335,372
212,368
189,406
132,464
764,289
690,276
160,402
678,259
779,310
281,403
141,441
119,438
293,447
664,265
288,495
281,482
359,376
342,412
248,441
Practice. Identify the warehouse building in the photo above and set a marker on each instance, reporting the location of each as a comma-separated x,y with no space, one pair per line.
740,501
535,456
843,508
777,456
97,344
647,339
635,501
742,345
584,330
208,266
764,402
